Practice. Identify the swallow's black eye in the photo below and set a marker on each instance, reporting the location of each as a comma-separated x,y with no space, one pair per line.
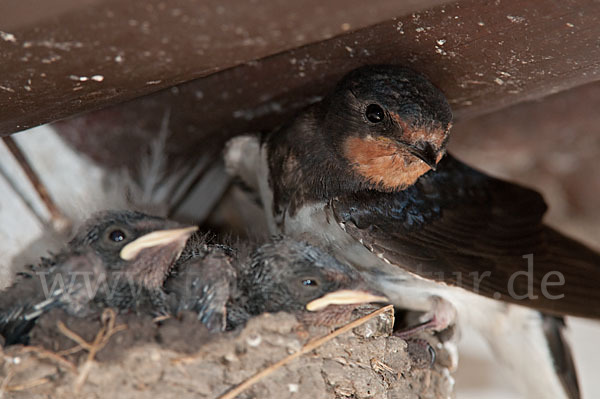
309,282
374,113
117,235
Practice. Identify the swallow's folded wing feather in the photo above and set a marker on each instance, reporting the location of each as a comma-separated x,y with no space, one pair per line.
462,227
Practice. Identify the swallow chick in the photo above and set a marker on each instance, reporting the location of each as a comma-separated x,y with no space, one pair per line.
202,282
365,172
296,277
117,259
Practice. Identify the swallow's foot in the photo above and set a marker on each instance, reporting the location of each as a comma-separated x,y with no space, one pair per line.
441,316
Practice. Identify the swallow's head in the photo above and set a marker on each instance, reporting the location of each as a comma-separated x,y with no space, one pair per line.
142,247
293,276
389,123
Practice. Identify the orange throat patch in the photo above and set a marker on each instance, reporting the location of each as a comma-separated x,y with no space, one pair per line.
383,163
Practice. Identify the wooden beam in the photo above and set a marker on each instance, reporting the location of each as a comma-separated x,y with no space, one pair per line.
62,57
484,55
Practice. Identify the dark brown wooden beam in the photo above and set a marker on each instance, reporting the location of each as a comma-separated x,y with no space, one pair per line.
61,57
484,55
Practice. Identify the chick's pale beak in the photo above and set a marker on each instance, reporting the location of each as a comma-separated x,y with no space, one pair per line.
158,238
344,297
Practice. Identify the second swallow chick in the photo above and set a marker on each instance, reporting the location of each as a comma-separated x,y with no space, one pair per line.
202,281
293,276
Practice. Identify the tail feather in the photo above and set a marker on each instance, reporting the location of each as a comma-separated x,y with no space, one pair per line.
561,355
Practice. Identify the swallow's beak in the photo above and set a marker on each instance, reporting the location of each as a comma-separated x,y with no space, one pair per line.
344,297
422,150
158,239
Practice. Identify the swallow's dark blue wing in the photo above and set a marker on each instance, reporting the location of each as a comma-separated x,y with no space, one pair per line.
465,228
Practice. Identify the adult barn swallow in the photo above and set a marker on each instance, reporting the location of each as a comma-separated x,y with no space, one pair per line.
117,259
365,171
296,277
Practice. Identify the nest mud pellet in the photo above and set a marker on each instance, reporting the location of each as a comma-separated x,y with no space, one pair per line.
177,358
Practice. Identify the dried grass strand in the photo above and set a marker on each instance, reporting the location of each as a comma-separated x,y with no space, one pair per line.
46,354
103,335
27,385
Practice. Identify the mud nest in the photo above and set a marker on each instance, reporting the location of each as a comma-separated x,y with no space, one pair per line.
128,356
